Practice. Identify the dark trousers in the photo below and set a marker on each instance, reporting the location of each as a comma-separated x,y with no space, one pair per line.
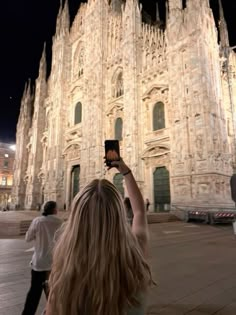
38,279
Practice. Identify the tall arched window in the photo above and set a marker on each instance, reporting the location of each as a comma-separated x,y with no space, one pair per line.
81,63
159,116
78,61
78,113
118,86
119,129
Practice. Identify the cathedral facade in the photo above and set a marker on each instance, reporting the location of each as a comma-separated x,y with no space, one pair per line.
166,93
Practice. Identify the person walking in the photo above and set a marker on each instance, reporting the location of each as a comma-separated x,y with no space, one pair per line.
42,230
100,263
147,204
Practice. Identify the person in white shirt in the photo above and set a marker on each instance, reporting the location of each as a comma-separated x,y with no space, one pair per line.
42,230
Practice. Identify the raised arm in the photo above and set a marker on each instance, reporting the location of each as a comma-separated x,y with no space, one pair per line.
139,226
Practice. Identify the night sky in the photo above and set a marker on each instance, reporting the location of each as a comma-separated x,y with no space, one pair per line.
24,26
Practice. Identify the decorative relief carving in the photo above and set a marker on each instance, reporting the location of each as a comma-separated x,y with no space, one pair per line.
179,152
44,139
198,121
218,187
156,151
199,142
72,152
220,162
114,109
73,134
153,46
203,189
75,154
201,165
179,169
181,188
60,180
114,34
158,91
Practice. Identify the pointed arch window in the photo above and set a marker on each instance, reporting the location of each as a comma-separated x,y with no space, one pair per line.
159,116
118,86
78,113
119,129
81,63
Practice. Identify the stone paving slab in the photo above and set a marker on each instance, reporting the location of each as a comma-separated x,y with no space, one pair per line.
193,265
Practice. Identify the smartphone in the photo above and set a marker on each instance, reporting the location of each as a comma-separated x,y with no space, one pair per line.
112,151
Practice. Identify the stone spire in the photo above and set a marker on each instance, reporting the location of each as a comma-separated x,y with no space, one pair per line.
28,90
43,64
158,20
132,4
63,19
27,93
26,103
175,5
167,10
224,35
58,23
25,90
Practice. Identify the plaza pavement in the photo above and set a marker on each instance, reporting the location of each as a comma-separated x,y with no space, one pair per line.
193,265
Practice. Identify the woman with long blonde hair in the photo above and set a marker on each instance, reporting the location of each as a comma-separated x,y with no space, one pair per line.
99,263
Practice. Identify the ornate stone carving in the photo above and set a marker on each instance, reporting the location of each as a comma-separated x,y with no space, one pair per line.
72,152
156,151
114,109
203,189
73,134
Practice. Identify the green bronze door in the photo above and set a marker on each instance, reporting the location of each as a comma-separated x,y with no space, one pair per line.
75,180
118,182
161,184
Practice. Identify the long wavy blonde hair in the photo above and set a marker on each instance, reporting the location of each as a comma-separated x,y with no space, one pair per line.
98,265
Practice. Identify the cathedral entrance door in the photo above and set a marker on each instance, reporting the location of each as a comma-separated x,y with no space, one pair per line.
161,185
75,180
118,182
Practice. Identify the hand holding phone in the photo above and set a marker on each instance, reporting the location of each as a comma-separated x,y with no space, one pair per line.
121,167
112,151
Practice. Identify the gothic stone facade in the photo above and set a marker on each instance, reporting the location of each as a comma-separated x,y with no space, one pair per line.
167,94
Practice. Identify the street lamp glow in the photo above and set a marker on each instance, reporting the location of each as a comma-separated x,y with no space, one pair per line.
13,147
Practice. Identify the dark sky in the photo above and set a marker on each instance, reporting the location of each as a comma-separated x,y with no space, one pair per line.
24,26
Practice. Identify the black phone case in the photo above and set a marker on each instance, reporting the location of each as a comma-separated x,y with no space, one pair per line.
113,146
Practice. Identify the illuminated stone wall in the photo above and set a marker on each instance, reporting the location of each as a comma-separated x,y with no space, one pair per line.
116,66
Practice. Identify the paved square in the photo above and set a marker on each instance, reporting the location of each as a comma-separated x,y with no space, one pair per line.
194,266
